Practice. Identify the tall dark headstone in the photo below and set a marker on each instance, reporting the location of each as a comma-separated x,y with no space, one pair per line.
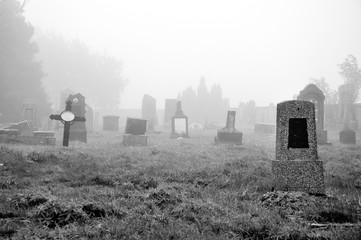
297,167
149,111
78,130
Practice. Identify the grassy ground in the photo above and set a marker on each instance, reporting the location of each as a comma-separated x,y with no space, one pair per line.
172,189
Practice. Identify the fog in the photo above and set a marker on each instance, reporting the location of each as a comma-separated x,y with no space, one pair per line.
256,50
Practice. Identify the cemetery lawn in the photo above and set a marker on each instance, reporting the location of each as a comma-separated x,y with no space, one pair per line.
172,189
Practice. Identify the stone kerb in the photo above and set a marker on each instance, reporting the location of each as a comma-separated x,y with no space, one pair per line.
297,167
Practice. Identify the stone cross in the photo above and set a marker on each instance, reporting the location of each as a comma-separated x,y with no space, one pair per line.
67,117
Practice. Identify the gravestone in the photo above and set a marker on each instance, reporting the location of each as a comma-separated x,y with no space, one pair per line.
297,167
134,132
229,133
149,111
315,95
29,113
264,128
348,136
68,118
179,123
111,123
78,130
169,111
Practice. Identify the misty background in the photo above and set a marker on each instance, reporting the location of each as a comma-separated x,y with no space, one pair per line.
259,52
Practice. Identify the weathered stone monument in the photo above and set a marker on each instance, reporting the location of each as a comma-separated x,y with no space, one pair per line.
134,132
78,130
169,111
149,111
297,167
111,123
179,123
29,114
315,95
67,117
264,128
347,134
229,133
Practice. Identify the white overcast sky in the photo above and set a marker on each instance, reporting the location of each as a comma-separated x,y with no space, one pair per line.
262,50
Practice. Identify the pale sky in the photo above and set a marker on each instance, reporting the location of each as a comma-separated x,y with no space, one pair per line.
262,50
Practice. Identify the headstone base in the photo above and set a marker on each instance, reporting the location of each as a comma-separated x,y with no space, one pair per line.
299,175
348,136
264,128
229,137
135,140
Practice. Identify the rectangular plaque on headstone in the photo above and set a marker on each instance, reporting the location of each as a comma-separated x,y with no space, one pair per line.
297,133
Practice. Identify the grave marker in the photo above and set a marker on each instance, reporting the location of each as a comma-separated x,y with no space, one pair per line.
297,167
229,133
149,111
67,117
78,130
134,132
315,95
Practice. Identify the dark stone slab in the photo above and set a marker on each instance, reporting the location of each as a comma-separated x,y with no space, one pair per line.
348,136
229,137
136,126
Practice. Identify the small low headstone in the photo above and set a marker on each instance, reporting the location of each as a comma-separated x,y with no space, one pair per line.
179,123
348,136
134,132
111,123
297,167
315,95
229,133
264,128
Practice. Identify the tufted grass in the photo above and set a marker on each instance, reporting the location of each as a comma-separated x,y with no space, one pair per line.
171,189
